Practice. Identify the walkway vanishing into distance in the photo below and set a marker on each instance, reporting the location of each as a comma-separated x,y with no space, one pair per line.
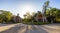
23,28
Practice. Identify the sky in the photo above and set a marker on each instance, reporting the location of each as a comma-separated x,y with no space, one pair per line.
23,6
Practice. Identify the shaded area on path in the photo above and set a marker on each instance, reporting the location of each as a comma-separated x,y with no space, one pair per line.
23,28
35,29
4,25
13,29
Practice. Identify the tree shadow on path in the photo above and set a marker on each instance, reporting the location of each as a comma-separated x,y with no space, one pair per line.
35,29
12,30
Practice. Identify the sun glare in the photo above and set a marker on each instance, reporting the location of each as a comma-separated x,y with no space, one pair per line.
26,8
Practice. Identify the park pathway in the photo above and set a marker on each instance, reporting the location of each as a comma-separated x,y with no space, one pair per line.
23,28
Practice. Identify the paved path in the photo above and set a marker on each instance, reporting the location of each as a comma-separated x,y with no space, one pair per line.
22,28
6,26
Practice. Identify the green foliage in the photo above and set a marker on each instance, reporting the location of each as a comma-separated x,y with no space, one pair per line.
47,3
27,17
40,23
27,20
5,16
36,23
53,12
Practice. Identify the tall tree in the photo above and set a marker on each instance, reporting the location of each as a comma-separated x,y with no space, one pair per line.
46,4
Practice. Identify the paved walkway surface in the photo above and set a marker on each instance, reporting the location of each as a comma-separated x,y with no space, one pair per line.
23,28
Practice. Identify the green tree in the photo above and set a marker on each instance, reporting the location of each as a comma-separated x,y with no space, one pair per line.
45,6
5,16
27,17
53,13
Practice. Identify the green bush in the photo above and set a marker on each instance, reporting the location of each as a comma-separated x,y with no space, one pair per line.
36,23
40,23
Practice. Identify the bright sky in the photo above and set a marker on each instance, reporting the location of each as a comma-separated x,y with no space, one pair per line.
23,6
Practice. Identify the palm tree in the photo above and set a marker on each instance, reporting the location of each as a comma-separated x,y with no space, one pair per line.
46,4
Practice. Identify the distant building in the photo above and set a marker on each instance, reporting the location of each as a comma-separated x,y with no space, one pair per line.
17,18
39,18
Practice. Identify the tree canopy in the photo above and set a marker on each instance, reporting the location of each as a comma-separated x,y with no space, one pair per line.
5,16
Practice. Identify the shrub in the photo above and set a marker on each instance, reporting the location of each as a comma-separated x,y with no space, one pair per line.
36,23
